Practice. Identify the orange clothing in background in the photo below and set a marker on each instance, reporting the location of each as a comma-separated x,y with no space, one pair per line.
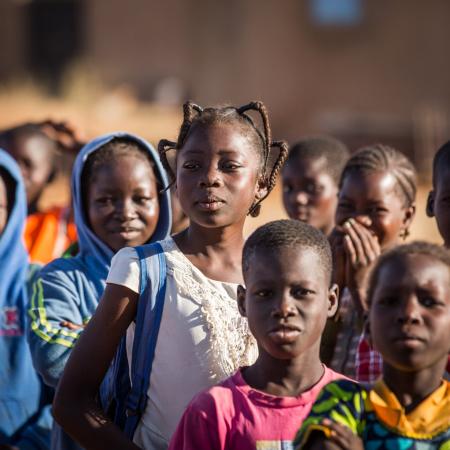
48,234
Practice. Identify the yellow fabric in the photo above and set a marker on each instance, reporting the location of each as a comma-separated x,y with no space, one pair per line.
429,418
311,428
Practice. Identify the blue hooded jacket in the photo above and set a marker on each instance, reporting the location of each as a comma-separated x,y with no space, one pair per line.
69,289
24,421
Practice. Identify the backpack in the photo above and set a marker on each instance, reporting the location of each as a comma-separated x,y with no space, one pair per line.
123,392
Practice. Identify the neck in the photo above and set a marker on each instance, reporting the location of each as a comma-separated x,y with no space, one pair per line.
205,241
285,377
411,388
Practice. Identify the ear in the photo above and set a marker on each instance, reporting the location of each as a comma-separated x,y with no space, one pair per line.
333,300
408,217
430,204
241,300
261,189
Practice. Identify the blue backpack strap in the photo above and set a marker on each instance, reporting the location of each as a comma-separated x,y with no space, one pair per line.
152,291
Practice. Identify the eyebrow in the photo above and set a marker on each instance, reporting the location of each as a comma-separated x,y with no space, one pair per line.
220,152
374,202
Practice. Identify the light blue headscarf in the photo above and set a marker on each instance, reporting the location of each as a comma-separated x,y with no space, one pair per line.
13,256
95,253
21,410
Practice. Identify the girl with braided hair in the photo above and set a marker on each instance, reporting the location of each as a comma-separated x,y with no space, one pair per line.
376,205
224,167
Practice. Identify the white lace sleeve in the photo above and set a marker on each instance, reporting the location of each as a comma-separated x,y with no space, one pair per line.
124,269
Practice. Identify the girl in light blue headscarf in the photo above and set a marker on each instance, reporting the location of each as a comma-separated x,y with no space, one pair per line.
25,421
119,200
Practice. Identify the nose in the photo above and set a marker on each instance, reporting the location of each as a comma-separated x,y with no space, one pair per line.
409,311
364,220
302,198
210,177
125,209
284,308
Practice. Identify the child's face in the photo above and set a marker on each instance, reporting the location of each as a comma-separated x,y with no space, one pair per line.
3,206
122,204
217,176
309,193
34,155
373,200
287,301
440,204
409,318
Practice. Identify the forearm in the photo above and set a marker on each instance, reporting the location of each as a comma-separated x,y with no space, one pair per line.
360,302
85,422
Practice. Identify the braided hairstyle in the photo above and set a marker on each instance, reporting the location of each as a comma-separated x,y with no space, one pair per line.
195,116
382,158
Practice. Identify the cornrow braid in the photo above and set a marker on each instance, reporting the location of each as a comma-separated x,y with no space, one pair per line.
383,158
195,116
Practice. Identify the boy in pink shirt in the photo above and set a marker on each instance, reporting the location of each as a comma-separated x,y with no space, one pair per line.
287,300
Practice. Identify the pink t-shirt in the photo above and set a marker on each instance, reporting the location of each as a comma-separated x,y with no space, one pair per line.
232,415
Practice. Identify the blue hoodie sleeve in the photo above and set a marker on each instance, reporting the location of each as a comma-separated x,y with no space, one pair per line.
55,298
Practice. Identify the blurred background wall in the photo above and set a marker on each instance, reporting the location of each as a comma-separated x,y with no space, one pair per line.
361,70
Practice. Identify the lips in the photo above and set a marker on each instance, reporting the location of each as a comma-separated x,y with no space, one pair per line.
210,203
285,333
126,232
409,340
300,214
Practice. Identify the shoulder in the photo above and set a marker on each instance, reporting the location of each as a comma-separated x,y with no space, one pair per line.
125,254
330,375
343,389
63,265
215,400
66,274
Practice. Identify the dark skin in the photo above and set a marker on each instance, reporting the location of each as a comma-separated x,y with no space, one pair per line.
179,219
371,216
409,324
310,193
221,165
122,205
438,204
217,182
36,153
287,302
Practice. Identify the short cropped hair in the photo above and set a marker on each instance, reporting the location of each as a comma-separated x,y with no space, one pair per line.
400,252
287,233
441,160
333,152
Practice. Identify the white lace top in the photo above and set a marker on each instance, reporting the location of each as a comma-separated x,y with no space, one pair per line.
202,339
